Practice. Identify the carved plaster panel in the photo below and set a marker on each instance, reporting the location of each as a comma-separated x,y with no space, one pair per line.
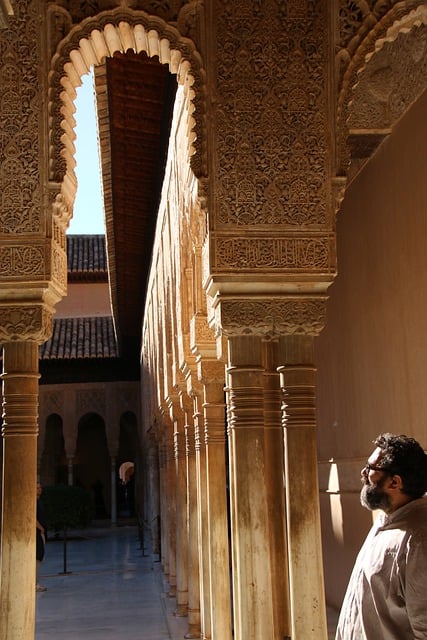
25,323
271,317
20,108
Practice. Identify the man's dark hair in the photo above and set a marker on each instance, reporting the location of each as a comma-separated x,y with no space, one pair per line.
404,456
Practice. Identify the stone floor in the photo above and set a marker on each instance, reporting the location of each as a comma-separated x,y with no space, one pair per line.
110,591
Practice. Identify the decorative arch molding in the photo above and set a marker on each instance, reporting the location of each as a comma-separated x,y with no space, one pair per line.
373,96
90,43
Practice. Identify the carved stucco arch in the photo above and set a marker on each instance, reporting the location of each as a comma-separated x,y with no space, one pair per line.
373,72
89,44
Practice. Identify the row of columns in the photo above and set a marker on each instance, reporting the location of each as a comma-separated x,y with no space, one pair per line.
241,543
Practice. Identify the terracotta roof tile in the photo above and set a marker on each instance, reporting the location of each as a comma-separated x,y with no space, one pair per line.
80,338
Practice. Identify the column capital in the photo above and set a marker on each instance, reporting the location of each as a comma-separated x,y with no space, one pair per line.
270,317
26,321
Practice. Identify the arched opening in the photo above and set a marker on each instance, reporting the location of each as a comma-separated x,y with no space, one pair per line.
92,462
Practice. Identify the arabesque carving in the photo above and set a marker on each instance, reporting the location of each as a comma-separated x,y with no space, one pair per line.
271,317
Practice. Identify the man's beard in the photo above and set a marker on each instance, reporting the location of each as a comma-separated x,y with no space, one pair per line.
373,496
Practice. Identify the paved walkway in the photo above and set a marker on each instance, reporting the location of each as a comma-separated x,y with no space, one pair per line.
111,591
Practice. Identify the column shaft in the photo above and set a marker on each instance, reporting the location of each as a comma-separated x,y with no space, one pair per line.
253,606
303,513
275,488
18,540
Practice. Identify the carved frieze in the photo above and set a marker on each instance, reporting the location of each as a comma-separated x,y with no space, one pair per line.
20,108
25,322
271,317
312,254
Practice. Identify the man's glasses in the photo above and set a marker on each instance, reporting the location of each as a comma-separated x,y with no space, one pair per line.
371,467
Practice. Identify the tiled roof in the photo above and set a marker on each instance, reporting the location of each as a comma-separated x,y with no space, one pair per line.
76,338
87,258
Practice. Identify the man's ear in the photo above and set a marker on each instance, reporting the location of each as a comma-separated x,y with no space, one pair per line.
396,482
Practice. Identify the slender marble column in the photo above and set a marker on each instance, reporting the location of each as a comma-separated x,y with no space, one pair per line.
212,376
252,581
194,626
297,375
274,475
18,540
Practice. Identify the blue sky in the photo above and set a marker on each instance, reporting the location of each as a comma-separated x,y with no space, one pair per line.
88,216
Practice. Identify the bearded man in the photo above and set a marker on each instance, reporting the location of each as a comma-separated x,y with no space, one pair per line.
386,597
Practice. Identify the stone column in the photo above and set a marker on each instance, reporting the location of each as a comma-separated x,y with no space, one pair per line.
275,488
194,627
212,376
181,515
252,580
297,375
18,542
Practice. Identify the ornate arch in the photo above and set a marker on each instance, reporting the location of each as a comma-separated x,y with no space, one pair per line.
89,44
386,74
